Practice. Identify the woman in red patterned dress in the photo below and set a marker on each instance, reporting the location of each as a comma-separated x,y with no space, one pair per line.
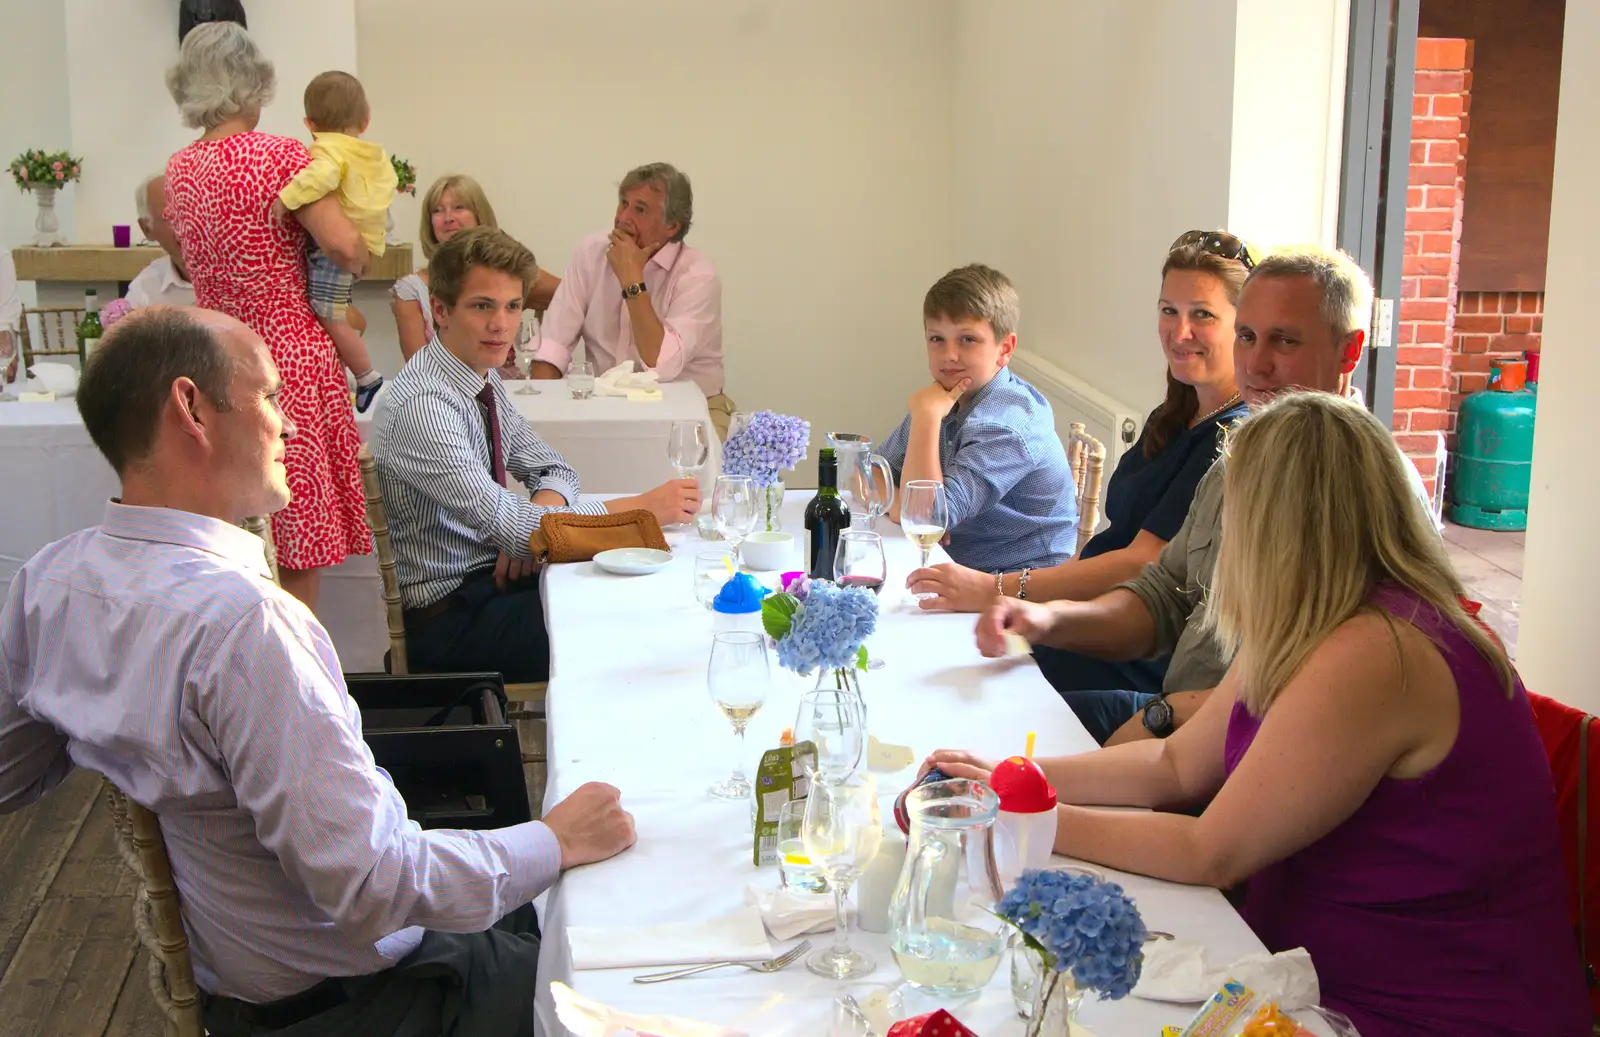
243,262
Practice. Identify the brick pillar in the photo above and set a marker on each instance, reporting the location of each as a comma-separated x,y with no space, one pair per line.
1491,326
1422,397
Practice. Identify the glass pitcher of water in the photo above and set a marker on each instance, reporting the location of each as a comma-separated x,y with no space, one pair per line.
858,483
944,928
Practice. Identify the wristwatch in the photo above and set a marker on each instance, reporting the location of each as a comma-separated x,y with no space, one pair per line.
637,288
1158,717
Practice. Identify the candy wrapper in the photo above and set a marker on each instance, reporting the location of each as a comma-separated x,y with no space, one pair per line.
934,1024
1238,1011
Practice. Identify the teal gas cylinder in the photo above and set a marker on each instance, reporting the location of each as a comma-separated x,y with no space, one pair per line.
1494,453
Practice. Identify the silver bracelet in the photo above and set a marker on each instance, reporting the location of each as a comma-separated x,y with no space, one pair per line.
1000,584
1022,585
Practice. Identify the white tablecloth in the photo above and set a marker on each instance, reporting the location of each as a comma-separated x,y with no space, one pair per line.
55,482
628,705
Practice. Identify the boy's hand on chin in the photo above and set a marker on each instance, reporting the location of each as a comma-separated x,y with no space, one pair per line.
935,401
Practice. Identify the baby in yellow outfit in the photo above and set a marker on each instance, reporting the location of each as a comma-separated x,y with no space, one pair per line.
360,175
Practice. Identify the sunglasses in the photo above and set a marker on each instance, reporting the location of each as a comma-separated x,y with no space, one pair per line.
1218,243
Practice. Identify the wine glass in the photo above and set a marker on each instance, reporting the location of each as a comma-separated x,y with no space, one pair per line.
527,345
580,379
924,514
733,504
859,560
834,720
842,830
687,448
738,678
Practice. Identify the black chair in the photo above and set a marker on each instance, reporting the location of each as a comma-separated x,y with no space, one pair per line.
446,743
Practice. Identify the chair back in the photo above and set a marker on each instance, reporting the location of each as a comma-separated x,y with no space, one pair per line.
1087,456
386,571
57,333
261,526
157,915
1574,765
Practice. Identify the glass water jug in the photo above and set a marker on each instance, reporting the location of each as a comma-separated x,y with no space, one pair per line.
859,485
944,928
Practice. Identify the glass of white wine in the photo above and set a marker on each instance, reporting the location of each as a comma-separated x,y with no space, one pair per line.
842,830
738,678
924,515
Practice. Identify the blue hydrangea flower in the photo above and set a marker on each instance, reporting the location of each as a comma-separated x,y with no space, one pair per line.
770,442
1087,927
829,628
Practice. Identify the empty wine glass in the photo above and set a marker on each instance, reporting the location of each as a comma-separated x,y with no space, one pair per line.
924,515
688,448
738,678
834,720
842,830
527,346
733,504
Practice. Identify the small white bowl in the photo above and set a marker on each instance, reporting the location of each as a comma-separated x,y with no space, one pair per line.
767,552
633,561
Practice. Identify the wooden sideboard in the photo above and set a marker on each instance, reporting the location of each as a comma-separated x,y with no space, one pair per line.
91,263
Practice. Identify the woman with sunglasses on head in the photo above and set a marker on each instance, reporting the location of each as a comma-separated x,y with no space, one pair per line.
1149,493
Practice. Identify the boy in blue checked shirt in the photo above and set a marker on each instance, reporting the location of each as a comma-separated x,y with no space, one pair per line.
986,433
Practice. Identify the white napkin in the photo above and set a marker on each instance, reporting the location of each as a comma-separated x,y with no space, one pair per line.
622,380
1178,970
586,1018
788,914
61,379
735,937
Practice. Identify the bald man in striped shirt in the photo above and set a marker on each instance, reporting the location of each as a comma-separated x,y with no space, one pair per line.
156,649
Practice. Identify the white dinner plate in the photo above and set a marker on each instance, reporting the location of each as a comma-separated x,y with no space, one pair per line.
633,561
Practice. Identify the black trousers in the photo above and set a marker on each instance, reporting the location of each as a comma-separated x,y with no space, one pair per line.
481,628
452,985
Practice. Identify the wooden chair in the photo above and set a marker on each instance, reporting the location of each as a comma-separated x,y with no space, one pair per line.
261,526
62,343
157,915
530,695
1087,456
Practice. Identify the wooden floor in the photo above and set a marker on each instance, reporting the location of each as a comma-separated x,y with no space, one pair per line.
70,965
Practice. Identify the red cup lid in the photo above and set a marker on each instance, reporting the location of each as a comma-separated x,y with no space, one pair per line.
1022,787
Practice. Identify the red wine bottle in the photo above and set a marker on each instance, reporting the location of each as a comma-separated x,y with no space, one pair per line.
826,517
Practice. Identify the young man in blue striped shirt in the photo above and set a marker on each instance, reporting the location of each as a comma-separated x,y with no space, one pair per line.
989,436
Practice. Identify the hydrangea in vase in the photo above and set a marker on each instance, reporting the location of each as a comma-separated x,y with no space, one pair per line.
761,445
405,182
45,174
824,627
1088,936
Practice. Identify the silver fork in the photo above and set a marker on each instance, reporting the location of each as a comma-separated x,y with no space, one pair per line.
777,964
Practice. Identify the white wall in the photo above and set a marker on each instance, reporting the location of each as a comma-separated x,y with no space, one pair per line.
1089,136
816,136
33,81
1555,647
1288,120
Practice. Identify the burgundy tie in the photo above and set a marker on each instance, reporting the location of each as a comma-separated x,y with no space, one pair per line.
497,464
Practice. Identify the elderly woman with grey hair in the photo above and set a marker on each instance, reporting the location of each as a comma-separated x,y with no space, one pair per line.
247,263
638,293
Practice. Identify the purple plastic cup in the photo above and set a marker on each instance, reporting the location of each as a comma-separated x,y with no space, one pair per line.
122,235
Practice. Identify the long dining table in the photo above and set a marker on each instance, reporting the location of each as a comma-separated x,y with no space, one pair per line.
628,705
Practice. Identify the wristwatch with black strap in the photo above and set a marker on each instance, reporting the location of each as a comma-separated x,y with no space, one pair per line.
1158,717
637,288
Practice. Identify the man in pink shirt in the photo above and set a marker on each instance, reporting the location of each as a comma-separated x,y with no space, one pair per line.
639,293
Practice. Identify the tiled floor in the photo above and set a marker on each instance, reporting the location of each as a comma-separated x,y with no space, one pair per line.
1490,564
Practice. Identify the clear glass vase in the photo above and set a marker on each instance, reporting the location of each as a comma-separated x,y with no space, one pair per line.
47,228
1049,1000
772,506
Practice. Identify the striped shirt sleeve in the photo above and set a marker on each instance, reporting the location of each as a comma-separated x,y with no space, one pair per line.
430,448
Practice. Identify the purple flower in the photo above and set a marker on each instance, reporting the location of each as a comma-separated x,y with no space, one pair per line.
768,443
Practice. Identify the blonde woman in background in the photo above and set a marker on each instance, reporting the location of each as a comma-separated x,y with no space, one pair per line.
454,203
1370,761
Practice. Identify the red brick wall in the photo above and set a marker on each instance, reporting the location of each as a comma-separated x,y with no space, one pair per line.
1423,402
1491,326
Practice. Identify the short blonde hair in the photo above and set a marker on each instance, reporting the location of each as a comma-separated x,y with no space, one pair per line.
468,193
220,73
488,247
975,292
1316,513
336,101
1346,288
